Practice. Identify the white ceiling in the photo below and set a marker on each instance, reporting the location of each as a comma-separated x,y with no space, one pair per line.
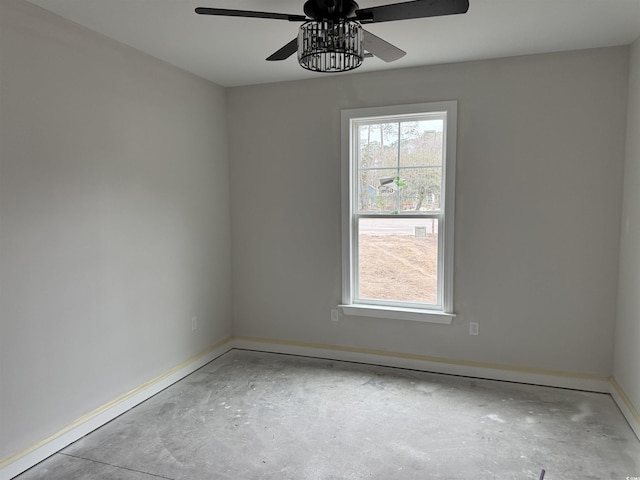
231,51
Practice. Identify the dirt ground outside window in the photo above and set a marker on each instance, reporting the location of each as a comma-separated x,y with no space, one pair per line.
399,267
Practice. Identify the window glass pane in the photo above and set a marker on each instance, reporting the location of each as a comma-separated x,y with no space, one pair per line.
400,166
420,189
398,259
378,145
421,143
378,191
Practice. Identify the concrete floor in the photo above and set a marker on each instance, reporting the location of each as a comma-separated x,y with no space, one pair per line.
251,415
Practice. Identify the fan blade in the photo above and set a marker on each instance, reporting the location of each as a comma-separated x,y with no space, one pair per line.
381,48
250,14
286,51
415,9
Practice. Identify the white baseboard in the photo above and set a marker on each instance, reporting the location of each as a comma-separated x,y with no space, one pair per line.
430,364
16,464
626,407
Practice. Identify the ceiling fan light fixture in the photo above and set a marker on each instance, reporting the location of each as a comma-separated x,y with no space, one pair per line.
330,45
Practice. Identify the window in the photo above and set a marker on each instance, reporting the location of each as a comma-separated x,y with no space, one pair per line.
398,168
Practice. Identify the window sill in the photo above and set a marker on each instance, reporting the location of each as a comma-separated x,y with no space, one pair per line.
397,313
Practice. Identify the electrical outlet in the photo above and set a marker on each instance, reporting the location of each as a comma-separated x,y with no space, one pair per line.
334,315
474,328
194,323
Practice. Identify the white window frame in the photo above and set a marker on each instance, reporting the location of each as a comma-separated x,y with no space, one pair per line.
443,311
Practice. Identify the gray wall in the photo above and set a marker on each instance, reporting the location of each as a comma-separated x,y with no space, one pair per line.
539,177
627,338
114,214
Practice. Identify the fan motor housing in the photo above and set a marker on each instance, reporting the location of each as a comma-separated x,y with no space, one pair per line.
330,9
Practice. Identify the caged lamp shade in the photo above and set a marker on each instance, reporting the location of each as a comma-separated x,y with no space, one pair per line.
330,45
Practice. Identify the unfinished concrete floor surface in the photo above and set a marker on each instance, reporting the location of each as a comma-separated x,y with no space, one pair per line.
250,415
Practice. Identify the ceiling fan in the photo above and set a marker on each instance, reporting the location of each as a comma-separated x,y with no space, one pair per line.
331,37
